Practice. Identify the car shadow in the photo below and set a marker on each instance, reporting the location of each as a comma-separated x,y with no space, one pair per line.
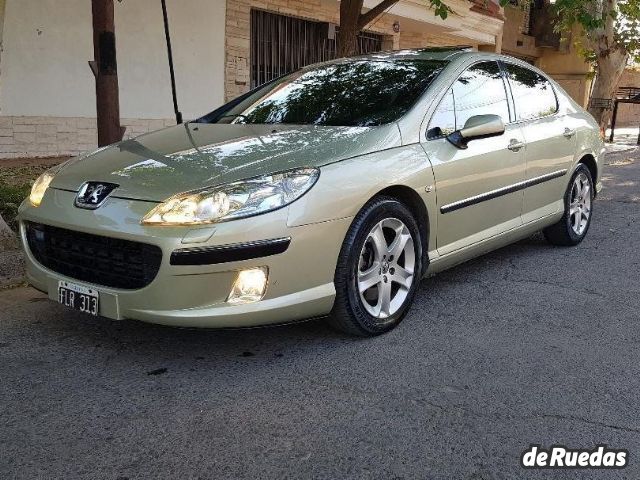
527,256
54,323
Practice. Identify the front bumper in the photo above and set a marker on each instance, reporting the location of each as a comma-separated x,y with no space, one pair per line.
300,283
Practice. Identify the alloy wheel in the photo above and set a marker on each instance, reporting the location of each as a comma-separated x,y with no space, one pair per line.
580,204
386,268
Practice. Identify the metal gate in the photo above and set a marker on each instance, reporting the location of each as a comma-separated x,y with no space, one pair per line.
282,44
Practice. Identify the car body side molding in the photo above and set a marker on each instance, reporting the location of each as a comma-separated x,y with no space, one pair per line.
452,207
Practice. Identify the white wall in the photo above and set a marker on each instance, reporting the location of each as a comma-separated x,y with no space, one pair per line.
197,37
47,44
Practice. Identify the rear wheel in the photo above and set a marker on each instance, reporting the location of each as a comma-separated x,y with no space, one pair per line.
578,201
379,268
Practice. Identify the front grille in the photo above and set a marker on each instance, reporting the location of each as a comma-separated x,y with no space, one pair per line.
99,260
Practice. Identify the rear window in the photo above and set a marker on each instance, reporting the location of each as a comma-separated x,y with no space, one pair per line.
532,93
358,93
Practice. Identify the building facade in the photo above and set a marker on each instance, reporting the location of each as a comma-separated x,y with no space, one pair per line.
221,49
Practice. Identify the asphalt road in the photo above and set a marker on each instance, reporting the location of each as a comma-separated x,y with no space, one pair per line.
529,344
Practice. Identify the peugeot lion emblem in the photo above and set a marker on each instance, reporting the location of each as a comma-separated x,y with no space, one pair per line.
93,194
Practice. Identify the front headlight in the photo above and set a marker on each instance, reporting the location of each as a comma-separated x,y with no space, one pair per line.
234,200
39,187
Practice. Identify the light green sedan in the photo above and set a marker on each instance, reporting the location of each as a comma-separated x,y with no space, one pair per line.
331,191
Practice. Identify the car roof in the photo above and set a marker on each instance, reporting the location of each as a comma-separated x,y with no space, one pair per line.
447,54
430,53
452,55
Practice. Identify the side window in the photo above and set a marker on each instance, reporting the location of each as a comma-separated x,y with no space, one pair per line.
480,90
532,93
443,121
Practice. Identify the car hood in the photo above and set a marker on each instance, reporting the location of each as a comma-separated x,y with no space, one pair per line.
186,157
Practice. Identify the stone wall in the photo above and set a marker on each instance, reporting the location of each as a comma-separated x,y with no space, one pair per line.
60,136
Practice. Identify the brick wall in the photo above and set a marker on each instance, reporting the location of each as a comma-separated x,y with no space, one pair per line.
60,136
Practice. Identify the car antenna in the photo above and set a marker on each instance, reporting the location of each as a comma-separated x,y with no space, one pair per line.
171,70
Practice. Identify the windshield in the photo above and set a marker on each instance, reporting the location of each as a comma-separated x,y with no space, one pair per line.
358,93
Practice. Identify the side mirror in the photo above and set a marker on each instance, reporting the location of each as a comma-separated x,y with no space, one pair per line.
477,127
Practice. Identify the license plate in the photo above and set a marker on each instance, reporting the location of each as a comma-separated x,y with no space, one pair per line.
79,298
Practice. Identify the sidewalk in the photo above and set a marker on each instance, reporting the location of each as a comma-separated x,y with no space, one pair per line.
624,137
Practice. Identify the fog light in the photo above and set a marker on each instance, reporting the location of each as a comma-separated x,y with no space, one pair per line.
249,286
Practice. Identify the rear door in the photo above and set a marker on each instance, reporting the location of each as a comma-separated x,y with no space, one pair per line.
473,186
550,138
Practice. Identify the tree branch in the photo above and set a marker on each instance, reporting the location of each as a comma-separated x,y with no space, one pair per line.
368,17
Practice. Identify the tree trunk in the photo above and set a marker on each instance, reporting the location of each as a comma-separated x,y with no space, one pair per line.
105,69
611,65
348,33
611,59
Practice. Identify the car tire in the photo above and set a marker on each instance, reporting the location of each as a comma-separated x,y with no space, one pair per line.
393,269
578,210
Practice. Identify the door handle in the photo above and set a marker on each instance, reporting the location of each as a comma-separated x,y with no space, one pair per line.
568,133
516,145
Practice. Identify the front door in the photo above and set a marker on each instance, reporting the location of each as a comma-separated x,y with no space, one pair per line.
473,186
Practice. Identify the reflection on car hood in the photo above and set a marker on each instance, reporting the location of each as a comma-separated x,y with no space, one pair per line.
158,165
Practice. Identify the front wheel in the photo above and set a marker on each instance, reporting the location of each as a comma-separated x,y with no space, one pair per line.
378,270
578,208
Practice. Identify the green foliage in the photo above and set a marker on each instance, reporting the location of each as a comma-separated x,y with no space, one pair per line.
442,10
594,15
589,14
628,26
10,198
582,12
